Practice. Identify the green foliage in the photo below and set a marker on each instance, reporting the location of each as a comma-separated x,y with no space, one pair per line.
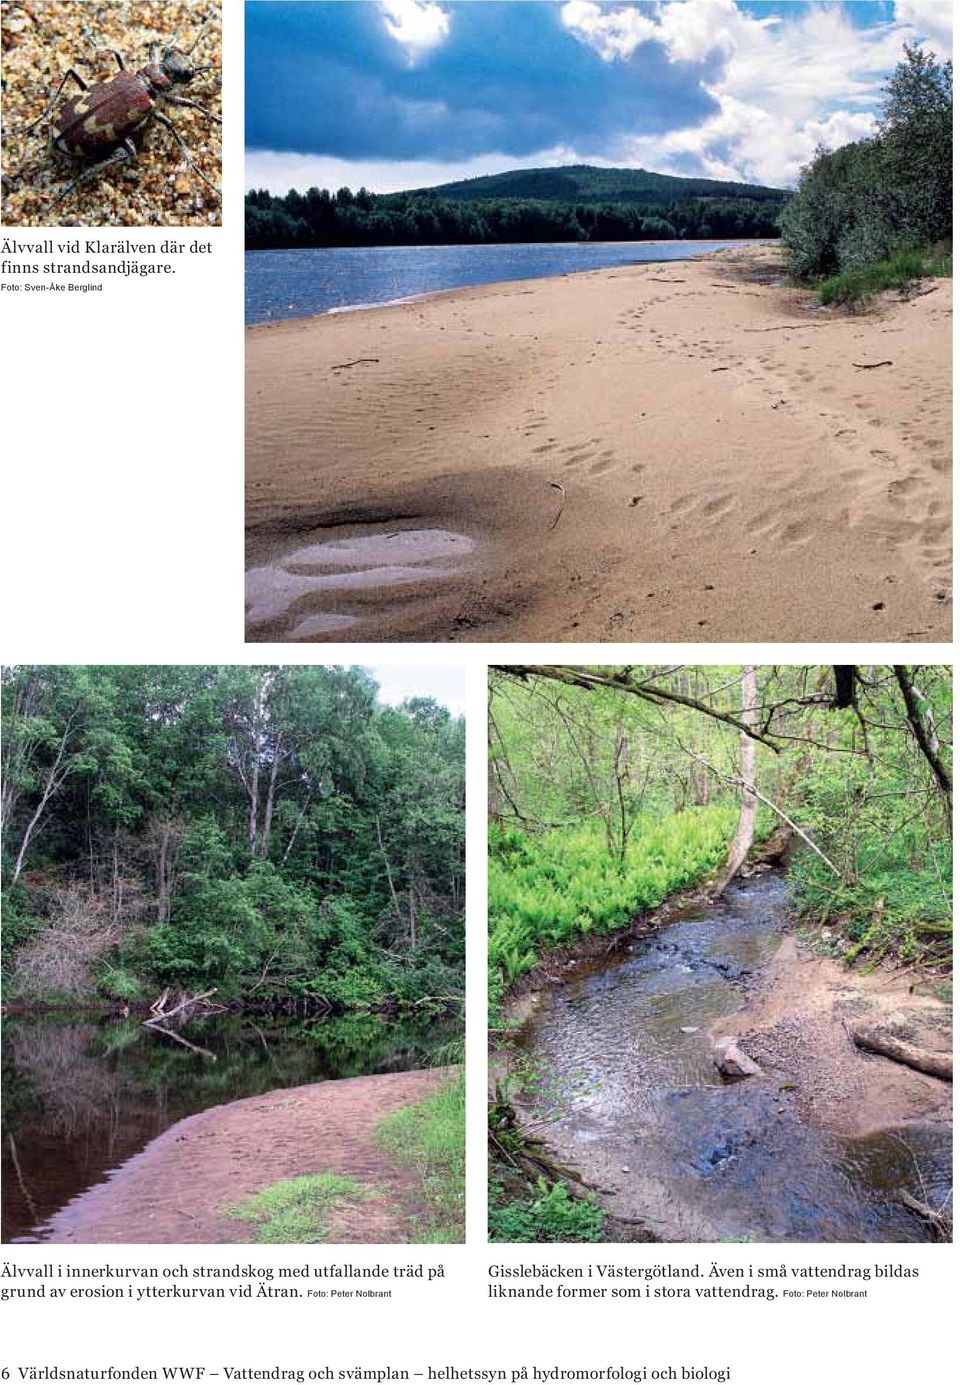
115,983
620,778
870,201
550,889
552,1214
579,203
271,831
895,888
899,272
297,1210
430,1138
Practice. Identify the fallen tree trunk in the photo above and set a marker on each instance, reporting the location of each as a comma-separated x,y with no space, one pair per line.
159,1016
888,1046
941,1220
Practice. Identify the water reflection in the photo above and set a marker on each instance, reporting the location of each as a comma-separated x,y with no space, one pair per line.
82,1095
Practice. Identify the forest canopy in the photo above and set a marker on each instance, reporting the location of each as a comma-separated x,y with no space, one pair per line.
273,832
612,788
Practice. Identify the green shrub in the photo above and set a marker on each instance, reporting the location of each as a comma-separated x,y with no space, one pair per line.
898,272
116,983
553,1215
868,201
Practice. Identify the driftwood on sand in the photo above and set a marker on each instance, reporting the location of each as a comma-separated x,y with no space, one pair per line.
881,1041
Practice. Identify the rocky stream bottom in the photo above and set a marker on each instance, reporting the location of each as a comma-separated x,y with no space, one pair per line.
619,1060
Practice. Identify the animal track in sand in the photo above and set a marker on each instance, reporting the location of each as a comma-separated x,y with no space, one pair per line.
720,505
904,487
605,462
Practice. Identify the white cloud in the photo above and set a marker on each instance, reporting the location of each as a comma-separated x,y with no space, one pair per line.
278,172
931,21
611,33
416,24
785,83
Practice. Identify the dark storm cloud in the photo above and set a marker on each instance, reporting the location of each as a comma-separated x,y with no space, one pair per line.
328,79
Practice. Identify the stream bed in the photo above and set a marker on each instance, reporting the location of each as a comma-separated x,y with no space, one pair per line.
82,1093
622,1051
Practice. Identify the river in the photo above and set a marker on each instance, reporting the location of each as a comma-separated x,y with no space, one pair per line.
622,1050
302,283
81,1095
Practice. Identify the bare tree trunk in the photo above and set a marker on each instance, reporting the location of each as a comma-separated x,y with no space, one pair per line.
55,777
166,835
254,793
296,826
921,734
743,837
271,791
386,862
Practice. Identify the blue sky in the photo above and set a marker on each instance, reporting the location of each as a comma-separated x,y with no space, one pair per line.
403,93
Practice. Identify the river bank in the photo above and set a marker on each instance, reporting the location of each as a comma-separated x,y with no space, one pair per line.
651,452
819,1146
85,1094
180,1188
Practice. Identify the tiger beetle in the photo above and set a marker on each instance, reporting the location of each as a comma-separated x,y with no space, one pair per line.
101,122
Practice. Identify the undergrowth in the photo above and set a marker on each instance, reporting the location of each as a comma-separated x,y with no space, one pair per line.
550,1213
551,889
430,1138
857,286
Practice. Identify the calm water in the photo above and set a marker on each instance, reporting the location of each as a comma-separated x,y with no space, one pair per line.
647,1113
80,1097
300,283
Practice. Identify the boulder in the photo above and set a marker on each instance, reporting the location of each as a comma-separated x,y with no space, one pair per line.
731,1061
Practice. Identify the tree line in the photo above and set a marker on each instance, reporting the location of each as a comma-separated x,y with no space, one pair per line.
888,194
319,218
270,831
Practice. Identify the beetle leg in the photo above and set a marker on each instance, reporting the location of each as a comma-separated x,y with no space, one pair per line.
169,125
124,154
172,100
70,73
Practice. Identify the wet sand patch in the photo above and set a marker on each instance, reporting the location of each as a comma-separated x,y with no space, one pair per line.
279,592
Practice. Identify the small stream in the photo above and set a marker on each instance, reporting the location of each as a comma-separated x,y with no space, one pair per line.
622,1049
82,1094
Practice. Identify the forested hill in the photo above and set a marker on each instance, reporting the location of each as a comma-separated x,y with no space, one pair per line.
585,183
272,832
576,203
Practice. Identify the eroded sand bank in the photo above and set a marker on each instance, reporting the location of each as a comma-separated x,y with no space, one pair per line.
177,1190
660,452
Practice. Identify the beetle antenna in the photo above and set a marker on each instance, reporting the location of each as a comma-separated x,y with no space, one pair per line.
200,33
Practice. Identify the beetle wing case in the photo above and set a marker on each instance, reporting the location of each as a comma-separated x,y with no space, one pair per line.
102,117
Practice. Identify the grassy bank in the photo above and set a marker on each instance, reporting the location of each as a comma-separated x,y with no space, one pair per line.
296,1210
430,1138
552,889
857,286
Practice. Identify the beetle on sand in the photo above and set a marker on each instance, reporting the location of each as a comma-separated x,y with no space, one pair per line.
104,120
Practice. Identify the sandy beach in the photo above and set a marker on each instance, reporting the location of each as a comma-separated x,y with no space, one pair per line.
684,451
178,1190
